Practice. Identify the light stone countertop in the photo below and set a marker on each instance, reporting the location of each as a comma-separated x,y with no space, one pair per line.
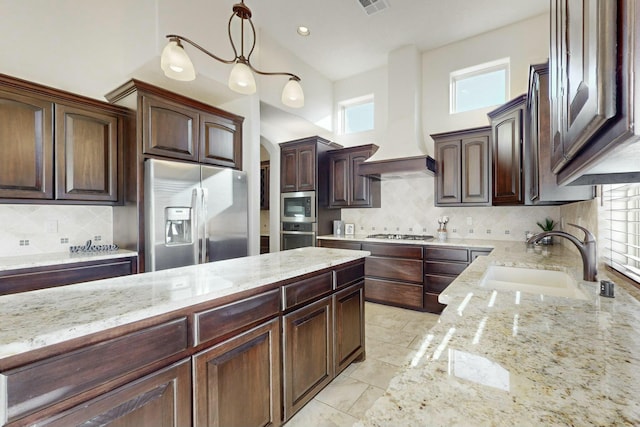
59,258
35,319
467,243
501,358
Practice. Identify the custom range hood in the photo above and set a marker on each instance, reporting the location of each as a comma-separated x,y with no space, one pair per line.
402,149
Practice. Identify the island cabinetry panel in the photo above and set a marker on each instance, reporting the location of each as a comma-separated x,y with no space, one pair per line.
28,279
161,399
308,359
306,290
40,384
237,382
463,167
55,145
393,274
26,146
349,341
346,187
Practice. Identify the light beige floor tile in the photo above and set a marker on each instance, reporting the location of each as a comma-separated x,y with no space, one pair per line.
365,401
389,353
421,324
390,336
375,373
318,414
342,393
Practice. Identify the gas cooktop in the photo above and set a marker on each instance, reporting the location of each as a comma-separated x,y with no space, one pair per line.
400,236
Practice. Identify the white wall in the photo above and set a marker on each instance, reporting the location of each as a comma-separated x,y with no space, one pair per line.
525,43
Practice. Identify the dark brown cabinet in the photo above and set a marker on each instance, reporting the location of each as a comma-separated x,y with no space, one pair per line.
237,382
162,399
507,141
463,167
26,146
393,275
298,165
87,155
346,187
593,74
348,305
541,186
173,129
441,267
265,170
85,137
308,364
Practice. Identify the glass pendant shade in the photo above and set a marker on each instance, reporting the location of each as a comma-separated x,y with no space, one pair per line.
292,95
176,63
241,79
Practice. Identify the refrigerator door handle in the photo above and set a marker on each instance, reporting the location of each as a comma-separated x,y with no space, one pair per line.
204,196
195,227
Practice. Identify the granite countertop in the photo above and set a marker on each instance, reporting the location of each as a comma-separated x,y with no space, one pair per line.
506,358
32,320
55,258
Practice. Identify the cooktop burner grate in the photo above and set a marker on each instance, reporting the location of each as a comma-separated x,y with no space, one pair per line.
401,236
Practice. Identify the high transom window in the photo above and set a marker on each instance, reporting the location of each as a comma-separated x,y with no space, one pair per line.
480,86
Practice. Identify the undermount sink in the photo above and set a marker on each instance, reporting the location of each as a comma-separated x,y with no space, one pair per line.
531,280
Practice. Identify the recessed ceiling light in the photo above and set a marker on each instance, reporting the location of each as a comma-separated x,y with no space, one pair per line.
303,31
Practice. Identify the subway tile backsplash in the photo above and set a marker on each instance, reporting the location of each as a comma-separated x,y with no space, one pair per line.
38,229
407,204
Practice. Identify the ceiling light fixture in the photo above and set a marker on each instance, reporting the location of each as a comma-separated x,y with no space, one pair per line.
303,31
176,63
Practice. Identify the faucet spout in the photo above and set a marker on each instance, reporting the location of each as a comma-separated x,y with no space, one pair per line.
586,247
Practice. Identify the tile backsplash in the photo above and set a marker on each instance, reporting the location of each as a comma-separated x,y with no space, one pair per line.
407,208
37,229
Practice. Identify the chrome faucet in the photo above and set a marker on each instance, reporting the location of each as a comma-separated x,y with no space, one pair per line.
587,249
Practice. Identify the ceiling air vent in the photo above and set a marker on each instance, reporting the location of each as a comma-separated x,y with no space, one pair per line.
373,6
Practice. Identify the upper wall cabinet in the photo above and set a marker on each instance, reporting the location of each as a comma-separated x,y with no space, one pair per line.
346,187
86,143
304,166
182,128
593,81
463,167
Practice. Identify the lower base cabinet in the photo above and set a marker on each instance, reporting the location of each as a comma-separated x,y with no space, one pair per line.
308,364
162,399
348,306
237,382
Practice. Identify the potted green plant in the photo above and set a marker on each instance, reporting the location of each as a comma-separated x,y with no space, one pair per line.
547,225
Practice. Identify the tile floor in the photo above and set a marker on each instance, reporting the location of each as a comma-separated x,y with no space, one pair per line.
392,337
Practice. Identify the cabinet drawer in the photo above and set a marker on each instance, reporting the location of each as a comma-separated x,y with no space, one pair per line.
220,321
400,251
307,289
446,254
339,244
450,268
396,293
348,275
390,268
43,383
437,284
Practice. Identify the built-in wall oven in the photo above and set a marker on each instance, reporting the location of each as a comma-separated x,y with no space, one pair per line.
298,235
299,206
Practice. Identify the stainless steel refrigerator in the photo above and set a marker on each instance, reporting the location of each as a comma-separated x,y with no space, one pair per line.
193,214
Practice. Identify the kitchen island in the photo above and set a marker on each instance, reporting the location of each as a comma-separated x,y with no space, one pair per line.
137,348
510,358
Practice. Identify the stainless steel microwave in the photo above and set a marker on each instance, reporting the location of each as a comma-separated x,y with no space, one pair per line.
298,207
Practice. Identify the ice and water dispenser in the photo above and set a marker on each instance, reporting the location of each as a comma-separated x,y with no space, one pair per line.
178,226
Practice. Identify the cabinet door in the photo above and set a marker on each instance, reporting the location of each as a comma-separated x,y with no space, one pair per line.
237,382
87,163
169,129
449,175
26,147
308,354
360,185
220,141
475,169
507,158
349,325
162,399
265,181
306,159
288,170
339,181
